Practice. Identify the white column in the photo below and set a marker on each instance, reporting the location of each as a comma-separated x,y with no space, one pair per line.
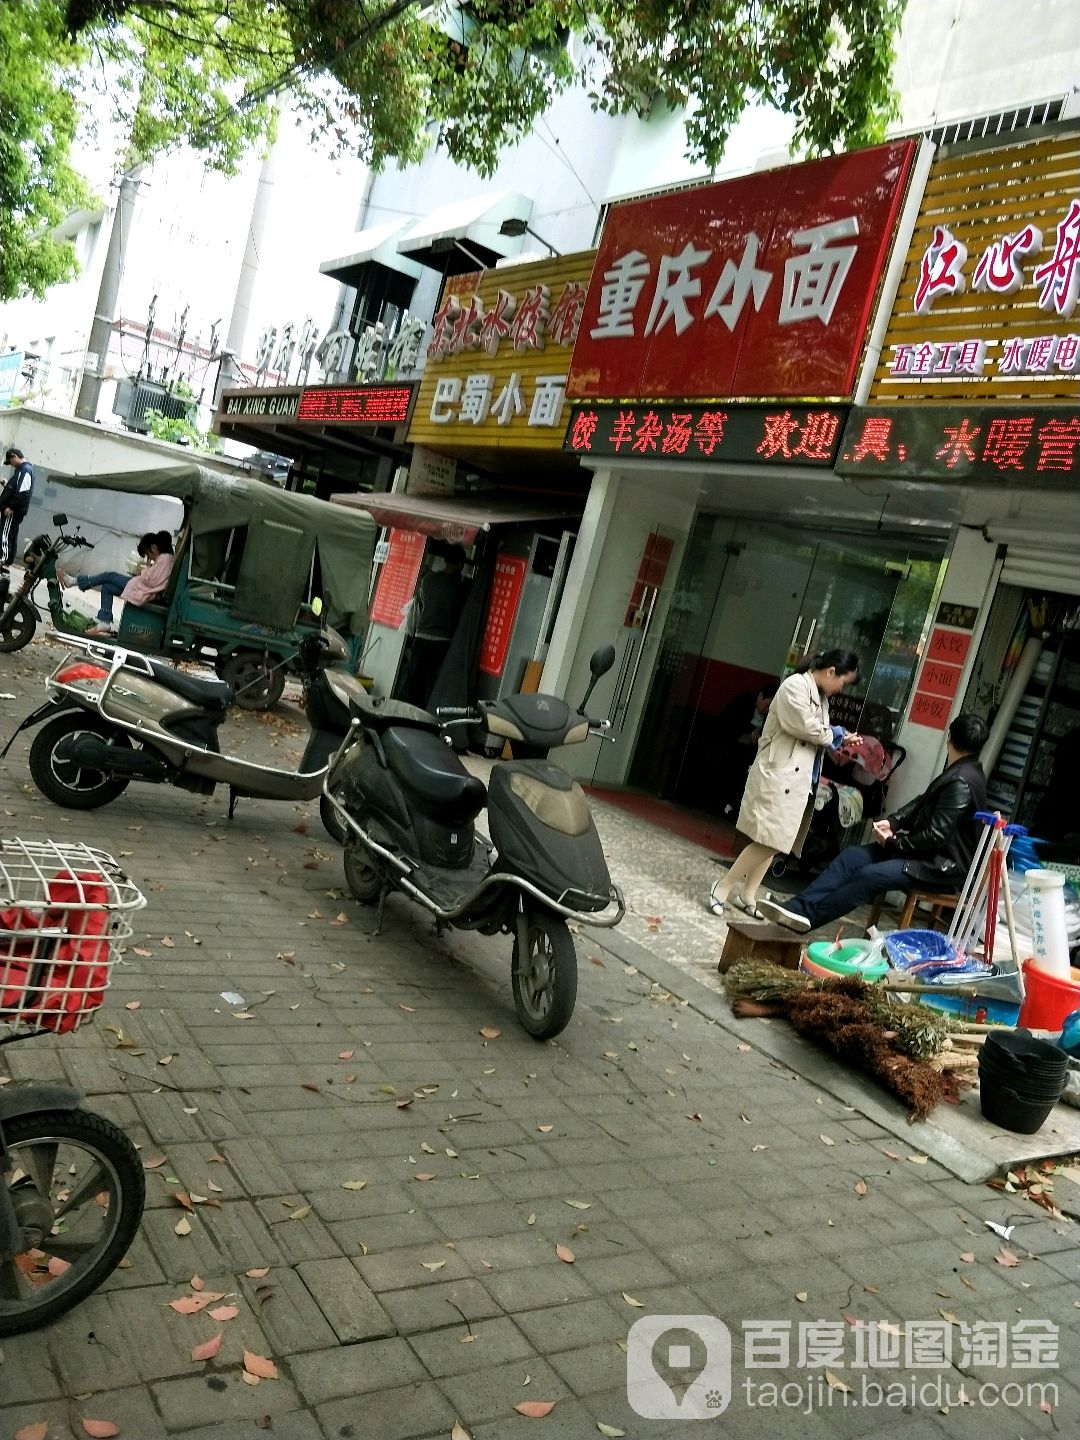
580,580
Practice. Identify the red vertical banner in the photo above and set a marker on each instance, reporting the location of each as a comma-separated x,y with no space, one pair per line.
503,605
397,578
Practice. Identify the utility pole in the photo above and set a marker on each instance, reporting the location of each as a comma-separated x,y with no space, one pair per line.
108,294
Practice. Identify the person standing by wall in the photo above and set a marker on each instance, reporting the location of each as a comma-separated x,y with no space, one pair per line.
14,503
778,802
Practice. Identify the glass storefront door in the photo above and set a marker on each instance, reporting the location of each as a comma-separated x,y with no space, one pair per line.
750,601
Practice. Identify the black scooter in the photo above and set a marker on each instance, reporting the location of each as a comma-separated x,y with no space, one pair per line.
409,805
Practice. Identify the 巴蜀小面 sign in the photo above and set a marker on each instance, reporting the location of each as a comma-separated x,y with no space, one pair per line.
742,434
987,307
1006,445
755,287
498,355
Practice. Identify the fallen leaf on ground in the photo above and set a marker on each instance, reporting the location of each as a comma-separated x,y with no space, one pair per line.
216,1189
578,1204
37,1431
207,1350
409,1009
1003,1230
746,1049
155,1162
133,1005
459,1432
1044,1406
225,1312
165,1060
1006,1257
426,1148
917,1159
637,1304
545,1129
258,1272
141,950
755,1148
309,1085
433,1264
249,1379
532,1219
182,1226
100,1429
345,1054
490,1033
835,1383
802,1296
197,1282
826,1139
259,1365
301,1214
968,1257
565,1253
168,942
861,1187
608,1429
351,1185
891,1154
57,1266
947,1316
183,1198
535,1409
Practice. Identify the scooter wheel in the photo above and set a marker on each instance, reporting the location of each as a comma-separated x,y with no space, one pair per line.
361,875
61,778
545,978
77,1173
332,822
17,625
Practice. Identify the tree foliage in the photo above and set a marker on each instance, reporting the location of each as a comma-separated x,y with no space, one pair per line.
381,77
38,118
378,75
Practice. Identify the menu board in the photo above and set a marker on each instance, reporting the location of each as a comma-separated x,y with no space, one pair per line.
506,590
397,578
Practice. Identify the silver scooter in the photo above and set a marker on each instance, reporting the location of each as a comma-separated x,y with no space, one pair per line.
115,715
409,805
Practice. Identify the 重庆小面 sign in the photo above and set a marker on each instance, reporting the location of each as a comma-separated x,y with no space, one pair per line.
498,355
749,434
758,286
987,305
1007,445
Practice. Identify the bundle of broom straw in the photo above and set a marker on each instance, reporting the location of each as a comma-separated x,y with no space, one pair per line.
888,1039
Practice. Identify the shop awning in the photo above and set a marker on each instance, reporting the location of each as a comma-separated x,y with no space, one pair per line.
473,224
454,518
375,245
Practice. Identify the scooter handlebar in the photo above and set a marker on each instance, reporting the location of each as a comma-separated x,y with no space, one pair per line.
457,712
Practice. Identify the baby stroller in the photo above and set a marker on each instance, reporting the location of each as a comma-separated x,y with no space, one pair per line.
852,791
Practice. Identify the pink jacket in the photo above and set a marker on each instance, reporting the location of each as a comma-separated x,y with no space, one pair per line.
149,582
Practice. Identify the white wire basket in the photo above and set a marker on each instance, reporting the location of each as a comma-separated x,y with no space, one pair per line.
65,912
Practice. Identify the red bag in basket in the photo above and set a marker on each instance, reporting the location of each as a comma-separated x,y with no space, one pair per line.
74,973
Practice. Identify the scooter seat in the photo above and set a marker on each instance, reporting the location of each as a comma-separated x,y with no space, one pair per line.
210,694
431,773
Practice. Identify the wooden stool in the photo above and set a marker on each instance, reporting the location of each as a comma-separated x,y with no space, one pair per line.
941,905
758,940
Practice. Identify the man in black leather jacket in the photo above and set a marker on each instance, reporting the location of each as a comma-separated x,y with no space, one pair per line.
928,843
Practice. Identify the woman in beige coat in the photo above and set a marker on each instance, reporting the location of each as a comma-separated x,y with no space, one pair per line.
778,802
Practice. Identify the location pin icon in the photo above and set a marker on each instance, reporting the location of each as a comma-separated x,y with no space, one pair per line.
678,1357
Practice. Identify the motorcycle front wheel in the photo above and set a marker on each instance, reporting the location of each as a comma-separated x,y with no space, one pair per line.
18,623
544,979
60,777
78,1188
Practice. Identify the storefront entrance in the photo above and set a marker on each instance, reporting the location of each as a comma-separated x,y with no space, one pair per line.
750,600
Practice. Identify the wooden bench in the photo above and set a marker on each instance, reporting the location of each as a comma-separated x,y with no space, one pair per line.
942,907
759,940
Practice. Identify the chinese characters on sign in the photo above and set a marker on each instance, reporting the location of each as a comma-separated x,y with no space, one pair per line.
473,400
857,1344
463,323
506,589
938,684
944,441
397,578
365,404
756,286
793,434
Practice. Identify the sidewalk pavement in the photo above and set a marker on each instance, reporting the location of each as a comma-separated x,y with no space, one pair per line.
683,1171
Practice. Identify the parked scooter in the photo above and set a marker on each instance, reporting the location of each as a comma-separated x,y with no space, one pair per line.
19,611
72,1185
409,806
116,715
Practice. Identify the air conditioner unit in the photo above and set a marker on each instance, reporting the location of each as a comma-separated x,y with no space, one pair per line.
134,398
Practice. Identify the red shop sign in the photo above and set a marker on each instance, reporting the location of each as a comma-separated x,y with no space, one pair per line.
397,578
502,612
760,286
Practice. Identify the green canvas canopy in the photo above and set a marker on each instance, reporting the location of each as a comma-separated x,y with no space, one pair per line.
283,532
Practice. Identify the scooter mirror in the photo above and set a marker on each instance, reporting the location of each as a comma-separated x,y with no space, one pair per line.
602,660
60,520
